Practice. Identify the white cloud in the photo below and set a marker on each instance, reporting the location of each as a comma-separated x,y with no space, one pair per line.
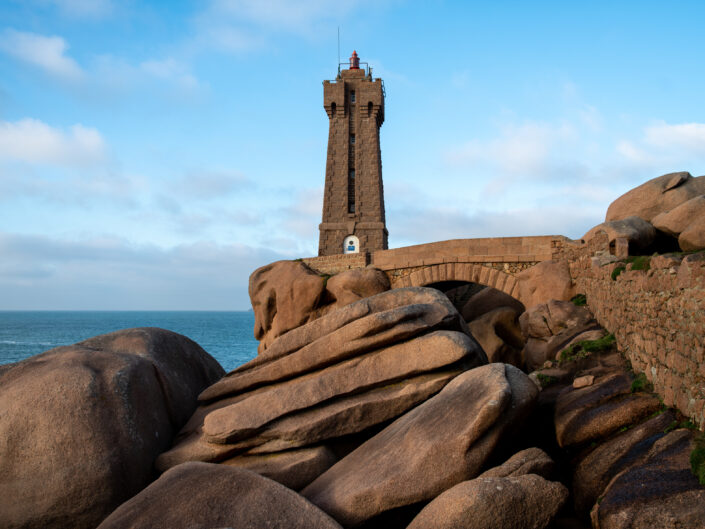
45,53
685,137
33,141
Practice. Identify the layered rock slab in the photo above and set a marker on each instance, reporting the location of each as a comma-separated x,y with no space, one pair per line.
438,444
363,326
659,492
594,471
397,362
519,502
205,496
83,423
598,410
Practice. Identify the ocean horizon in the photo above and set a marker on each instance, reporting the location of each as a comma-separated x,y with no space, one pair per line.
225,335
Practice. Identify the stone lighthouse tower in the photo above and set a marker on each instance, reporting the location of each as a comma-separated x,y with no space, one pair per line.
353,200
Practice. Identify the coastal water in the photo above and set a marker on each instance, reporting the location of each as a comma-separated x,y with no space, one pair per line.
227,336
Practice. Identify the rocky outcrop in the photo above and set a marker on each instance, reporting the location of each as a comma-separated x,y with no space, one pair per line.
209,496
499,334
284,295
442,442
83,424
656,196
357,367
659,491
550,327
545,281
677,220
288,294
523,502
640,233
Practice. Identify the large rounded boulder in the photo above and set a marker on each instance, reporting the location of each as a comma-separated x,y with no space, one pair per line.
206,496
656,196
83,424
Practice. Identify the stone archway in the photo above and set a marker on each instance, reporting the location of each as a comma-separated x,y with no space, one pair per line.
467,272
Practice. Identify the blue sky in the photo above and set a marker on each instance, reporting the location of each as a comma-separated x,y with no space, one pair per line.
153,154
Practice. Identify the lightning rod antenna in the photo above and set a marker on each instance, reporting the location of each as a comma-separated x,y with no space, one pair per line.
338,50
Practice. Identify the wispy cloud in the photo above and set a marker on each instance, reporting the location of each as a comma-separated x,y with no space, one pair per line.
91,9
33,141
238,26
49,54
39,272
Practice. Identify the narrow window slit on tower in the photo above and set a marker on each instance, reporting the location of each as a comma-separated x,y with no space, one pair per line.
351,191
352,96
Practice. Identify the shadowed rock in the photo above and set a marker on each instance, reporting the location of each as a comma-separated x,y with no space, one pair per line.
529,461
438,444
594,471
499,334
522,502
82,424
202,495
293,468
636,230
487,300
596,411
659,492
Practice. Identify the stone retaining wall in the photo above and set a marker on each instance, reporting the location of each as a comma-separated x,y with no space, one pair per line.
658,319
334,264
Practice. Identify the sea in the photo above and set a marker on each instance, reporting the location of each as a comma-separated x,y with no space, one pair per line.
227,336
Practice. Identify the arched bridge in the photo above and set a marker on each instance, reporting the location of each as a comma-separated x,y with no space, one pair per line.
493,262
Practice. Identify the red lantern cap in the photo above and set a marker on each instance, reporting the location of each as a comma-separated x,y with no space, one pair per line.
354,61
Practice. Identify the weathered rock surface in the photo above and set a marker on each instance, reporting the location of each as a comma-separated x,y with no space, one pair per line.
636,230
596,411
436,445
499,334
284,295
363,326
692,238
487,300
675,221
83,423
656,196
292,468
529,461
594,471
248,416
551,327
523,502
545,281
658,492
344,373
202,495
353,285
